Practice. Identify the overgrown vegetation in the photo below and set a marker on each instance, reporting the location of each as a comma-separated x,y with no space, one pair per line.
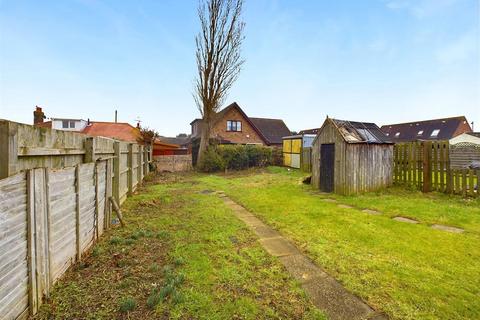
235,157
410,271
182,255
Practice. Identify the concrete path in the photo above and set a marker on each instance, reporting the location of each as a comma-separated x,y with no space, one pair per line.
325,292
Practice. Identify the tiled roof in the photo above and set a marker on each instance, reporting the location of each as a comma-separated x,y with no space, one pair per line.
422,130
114,130
272,129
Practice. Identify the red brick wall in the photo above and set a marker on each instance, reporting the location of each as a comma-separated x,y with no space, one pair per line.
247,135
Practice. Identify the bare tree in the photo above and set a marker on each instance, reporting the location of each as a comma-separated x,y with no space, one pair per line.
218,59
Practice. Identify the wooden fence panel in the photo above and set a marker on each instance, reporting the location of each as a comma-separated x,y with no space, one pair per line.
14,246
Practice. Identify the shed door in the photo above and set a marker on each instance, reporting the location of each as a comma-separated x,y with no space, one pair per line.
327,166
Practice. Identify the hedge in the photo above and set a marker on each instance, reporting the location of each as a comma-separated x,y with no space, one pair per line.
236,157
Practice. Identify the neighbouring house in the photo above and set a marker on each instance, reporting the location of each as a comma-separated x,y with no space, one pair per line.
65,124
351,157
437,129
232,126
115,130
294,147
162,148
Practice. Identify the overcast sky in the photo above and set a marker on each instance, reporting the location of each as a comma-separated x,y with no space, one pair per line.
370,60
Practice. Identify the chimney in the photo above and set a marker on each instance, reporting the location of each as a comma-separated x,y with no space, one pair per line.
38,115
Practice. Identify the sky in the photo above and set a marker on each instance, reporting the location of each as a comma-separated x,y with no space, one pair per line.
382,61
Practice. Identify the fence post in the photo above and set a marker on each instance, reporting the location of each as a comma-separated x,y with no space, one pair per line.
139,165
8,148
427,166
31,239
96,214
145,161
108,193
89,149
77,212
130,168
449,179
116,171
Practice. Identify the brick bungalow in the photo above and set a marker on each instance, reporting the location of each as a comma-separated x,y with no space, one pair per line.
233,126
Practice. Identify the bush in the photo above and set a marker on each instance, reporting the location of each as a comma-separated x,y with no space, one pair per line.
212,161
236,157
127,304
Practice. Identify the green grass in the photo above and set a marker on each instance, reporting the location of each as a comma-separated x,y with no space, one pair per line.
182,255
408,271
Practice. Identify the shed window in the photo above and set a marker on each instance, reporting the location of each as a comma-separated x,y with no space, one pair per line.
419,133
234,125
397,134
435,133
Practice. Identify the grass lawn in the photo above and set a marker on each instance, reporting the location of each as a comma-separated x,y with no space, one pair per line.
408,271
182,255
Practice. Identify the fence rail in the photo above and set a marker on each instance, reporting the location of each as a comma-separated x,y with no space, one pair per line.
54,204
426,165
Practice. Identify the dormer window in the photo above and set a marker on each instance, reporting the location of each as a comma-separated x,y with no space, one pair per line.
435,133
397,134
419,133
234,125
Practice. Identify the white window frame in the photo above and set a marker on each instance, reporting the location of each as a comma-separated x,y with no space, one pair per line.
435,133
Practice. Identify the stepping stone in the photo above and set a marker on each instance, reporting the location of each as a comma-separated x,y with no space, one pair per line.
447,228
369,211
251,221
345,206
407,220
279,247
330,200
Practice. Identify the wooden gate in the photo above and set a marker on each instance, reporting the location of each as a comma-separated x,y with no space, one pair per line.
327,167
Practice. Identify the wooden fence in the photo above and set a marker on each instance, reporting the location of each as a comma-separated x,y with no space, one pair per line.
426,166
54,192
306,159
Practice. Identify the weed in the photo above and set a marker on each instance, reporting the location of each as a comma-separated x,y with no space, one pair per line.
154,267
153,299
162,234
116,240
127,304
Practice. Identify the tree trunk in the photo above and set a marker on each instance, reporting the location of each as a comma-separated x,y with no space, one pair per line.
204,142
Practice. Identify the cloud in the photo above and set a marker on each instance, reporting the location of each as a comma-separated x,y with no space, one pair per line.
464,47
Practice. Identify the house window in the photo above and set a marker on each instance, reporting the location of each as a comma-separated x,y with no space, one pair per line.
72,124
419,133
65,124
435,133
234,125
397,134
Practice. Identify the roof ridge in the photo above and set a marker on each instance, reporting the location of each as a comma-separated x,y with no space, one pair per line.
431,120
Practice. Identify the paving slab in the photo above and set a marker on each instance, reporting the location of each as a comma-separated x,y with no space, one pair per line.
302,268
251,221
407,220
264,232
330,296
447,228
345,206
370,211
279,247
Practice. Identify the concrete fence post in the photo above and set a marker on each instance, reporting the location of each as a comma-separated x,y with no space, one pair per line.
116,171
130,168
8,148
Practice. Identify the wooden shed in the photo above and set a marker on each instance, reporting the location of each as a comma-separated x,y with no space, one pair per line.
351,157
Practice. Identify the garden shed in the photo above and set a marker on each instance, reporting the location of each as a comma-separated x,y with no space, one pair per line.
293,147
351,157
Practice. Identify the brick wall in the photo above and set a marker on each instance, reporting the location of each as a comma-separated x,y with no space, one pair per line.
247,135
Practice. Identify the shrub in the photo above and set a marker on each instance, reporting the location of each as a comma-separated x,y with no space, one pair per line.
212,161
235,157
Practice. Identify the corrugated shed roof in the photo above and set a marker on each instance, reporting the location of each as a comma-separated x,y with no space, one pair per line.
272,129
422,130
309,131
115,130
360,132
